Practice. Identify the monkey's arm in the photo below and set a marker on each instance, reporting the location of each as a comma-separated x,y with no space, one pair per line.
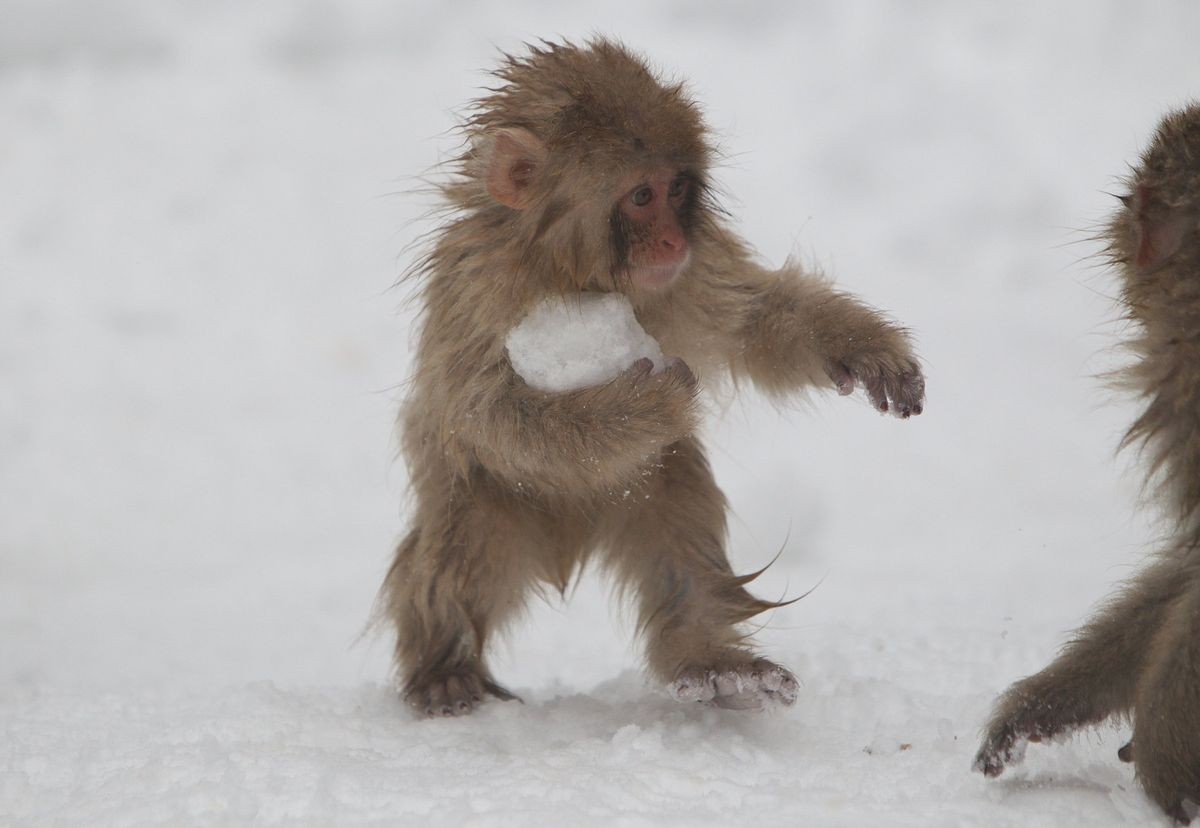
1093,678
592,439
794,330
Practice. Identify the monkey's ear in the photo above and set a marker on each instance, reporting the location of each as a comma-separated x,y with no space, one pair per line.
515,161
1161,229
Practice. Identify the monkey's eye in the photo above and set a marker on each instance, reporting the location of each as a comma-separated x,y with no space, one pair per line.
642,196
678,187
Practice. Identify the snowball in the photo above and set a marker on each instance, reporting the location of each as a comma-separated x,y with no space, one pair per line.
572,342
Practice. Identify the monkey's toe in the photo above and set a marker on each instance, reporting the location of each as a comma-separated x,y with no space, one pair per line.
455,695
756,685
1184,812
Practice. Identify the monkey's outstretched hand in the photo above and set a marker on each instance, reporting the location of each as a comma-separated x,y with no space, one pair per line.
756,685
893,385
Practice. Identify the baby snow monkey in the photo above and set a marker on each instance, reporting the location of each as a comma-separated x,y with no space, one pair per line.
585,180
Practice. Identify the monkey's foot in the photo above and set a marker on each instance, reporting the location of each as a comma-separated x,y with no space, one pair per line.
1170,777
1184,811
755,685
455,694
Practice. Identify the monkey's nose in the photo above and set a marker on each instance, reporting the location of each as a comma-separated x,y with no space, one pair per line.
672,241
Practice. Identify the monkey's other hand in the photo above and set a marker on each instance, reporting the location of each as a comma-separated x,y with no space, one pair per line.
456,694
675,371
665,398
757,685
892,384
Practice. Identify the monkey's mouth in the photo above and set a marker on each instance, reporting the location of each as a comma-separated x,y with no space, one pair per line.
659,277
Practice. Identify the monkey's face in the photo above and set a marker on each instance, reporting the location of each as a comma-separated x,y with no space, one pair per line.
1161,219
649,227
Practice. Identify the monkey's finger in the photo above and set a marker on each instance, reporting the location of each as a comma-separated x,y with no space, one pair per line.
843,380
1125,752
906,394
877,393
906,391
914,388
641,368
677,367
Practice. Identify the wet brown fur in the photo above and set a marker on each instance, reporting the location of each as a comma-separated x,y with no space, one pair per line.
1140,654
516,488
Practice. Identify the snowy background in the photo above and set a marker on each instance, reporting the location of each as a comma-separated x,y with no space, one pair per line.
202,209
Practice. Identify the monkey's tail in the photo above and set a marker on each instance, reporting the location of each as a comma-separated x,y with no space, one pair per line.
383,609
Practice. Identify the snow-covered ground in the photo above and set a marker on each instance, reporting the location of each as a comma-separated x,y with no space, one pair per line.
202,210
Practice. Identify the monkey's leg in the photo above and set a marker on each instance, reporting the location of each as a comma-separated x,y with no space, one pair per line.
1166,719
452,584
1094,677
669,548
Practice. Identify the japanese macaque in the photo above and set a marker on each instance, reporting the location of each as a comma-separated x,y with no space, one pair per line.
1140,654
585,172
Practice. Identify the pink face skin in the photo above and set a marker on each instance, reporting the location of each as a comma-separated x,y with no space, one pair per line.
659,249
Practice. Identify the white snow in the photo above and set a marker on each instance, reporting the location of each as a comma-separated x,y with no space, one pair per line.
571,342
202,209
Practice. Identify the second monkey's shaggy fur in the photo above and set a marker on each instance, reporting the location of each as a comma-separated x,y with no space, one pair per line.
1141,653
